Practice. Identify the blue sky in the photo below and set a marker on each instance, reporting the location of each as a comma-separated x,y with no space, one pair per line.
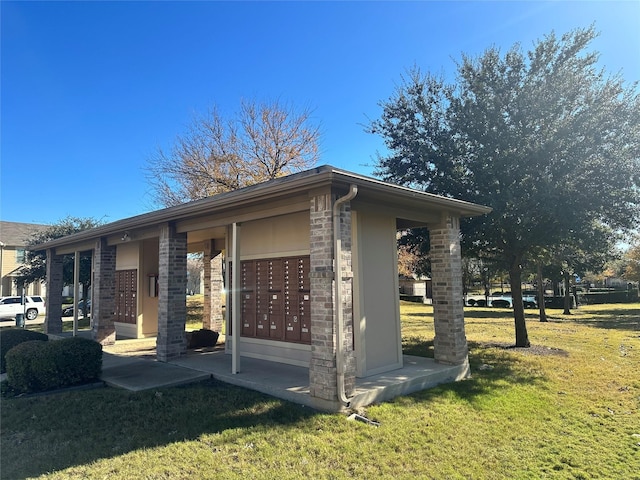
89,90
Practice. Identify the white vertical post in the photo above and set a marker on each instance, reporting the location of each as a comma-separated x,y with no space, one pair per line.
76,290
235,298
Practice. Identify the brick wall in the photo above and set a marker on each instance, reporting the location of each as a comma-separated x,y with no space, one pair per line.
322,368
53,300
217,287
213,286
450,343
347,300
103,304
172,300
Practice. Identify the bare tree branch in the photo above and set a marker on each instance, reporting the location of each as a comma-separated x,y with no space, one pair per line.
261,142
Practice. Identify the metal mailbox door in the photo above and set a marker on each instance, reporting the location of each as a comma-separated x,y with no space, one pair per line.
304,303
248,299
262,298
292,318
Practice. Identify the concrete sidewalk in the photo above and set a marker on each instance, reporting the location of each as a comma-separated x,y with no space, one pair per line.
135,368
135,374
132,365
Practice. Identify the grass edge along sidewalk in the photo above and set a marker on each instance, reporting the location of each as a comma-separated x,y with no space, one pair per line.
566,408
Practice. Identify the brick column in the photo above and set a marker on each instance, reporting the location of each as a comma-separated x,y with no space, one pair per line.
213,285
206,274
322,367
53,300
347,300
450,343
103,303
172,298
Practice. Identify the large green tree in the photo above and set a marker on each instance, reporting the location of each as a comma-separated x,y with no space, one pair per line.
35,267
545,137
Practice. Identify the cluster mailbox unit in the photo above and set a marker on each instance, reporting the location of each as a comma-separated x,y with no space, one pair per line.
276,299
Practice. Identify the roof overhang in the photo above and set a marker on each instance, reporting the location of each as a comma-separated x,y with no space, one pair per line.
406,203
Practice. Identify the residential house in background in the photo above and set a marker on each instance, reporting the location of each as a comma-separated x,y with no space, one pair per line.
14,237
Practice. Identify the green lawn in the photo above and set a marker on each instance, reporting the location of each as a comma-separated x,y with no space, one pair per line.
569,407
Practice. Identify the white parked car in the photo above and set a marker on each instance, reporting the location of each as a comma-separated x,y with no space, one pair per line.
11,306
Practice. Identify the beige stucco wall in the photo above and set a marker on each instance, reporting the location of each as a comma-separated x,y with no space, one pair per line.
148,313
378,340
281,236
127,256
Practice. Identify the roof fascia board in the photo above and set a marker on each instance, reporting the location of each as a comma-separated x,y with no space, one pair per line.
237,199
423,217
462,207
256,212
307,181
75,247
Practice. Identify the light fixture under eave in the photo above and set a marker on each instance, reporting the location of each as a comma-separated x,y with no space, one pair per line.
126,237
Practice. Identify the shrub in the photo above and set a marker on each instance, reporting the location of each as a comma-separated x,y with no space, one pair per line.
79,360
37,366
600,296
11,337
202,338
22,364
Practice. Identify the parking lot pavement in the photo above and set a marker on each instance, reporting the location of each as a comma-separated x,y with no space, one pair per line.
11,322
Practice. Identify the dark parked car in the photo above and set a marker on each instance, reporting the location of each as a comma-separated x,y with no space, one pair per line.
68,311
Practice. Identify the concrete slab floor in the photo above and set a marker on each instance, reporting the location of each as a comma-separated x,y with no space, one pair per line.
136,374
132,365
292,383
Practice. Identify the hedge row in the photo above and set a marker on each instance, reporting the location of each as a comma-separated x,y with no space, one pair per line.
620,296
11,337
37,366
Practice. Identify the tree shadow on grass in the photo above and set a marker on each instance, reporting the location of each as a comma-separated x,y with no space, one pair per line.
498,314
55,432
419,315
623,319
493,367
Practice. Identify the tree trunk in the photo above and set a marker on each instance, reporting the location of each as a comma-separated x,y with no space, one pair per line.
515,276
541,306
567,294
